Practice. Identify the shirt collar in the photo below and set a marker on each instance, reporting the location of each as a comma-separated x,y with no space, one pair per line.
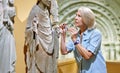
87,31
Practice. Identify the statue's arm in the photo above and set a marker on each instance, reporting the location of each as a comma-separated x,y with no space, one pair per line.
31,27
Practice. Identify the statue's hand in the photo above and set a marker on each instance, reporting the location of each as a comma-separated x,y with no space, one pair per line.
35,24
9,24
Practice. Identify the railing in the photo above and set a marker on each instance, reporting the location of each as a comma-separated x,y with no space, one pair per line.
68,65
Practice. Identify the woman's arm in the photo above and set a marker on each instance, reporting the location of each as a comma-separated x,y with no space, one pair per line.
83,51
86,54
63,45
63,40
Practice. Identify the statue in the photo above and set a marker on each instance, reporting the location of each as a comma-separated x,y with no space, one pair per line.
7,41
41,38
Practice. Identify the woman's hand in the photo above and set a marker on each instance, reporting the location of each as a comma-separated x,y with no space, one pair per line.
63,29
73,31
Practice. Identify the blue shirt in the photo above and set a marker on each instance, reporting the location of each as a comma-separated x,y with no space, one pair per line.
91,40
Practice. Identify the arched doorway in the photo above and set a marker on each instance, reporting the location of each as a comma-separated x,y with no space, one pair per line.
107,19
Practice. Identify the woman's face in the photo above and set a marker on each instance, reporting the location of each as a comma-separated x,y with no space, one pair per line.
47,2
78,19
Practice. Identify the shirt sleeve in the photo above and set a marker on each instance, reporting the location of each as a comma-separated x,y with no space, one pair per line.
70,46
95,42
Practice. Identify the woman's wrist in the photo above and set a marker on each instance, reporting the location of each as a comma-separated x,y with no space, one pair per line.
73,39
76,42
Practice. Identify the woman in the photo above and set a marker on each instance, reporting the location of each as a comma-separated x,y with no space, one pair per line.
86,43
40,52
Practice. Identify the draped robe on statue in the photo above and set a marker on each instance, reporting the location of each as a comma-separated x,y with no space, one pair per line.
41,49
7,41
7,51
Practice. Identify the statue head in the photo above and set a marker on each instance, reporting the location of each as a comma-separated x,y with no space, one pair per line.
9,10
11,2
45,2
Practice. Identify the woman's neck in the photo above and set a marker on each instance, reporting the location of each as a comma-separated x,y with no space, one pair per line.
82,29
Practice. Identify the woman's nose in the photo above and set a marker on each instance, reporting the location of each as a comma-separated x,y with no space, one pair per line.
76,17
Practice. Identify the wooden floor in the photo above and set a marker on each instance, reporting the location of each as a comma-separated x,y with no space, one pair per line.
113,67
69,66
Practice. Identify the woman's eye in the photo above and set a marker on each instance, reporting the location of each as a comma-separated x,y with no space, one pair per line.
79,15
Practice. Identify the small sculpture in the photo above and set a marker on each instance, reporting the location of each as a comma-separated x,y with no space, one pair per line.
7,41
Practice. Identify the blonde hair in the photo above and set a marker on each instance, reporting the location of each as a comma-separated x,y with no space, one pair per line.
88,17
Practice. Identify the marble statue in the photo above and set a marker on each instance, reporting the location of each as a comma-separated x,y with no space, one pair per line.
41,38
7,41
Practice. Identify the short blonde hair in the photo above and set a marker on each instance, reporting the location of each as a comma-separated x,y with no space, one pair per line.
88,17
